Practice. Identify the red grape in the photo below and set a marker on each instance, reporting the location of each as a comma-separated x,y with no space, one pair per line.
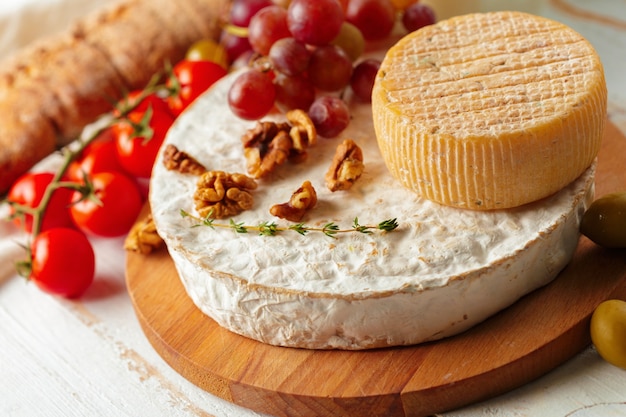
375,18
266,27
330,68
289,56
241,11
314,22
363,77
243,61
293,92
252,95
235,45
417,16
330,115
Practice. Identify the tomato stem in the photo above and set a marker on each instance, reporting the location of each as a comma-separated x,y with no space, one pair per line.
121,110
69,155
57,182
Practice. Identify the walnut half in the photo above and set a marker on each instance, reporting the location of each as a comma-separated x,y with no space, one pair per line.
269,144
302,200
346,168
302,133
177,160
263,159
220,194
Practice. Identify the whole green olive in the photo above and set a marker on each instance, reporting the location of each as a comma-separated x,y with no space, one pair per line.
608,331
604,222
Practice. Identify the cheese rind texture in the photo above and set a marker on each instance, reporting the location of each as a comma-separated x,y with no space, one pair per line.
442,271
490,110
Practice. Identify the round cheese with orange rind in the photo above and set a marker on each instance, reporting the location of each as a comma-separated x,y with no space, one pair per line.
490,110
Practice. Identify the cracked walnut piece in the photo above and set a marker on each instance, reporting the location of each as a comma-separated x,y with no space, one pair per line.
143,237
177,160
220,194
346,168
302,200
263,159
302,132
270,144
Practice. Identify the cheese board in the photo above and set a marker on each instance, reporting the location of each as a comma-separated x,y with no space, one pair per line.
526,340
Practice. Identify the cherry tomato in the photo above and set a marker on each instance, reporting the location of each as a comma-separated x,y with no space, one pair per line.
138,139
63,262
28,191
150,100
120,204
99,156
189,80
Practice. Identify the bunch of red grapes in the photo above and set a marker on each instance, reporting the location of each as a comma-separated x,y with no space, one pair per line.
309,52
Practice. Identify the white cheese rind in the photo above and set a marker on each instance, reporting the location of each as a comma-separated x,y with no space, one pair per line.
443,271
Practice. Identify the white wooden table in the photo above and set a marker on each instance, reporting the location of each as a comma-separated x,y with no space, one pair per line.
90,357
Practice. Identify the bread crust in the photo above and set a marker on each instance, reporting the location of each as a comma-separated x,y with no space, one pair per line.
52,88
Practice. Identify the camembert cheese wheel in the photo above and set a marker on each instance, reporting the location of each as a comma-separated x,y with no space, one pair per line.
490,110
440,272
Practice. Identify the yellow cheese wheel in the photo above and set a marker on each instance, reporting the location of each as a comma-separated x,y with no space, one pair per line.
490,110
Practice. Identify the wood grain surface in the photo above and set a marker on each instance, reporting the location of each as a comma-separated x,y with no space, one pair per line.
521,343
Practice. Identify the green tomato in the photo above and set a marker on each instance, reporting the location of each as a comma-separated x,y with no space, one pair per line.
207,50
608,331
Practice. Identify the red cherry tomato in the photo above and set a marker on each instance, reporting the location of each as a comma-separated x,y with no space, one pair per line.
150,100
63,262
120,204
138,139
99,156
28,191
192,78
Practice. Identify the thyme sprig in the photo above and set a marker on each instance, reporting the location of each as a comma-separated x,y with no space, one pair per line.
265,228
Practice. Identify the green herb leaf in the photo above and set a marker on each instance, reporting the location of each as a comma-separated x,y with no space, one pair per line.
388,225
330,229
238,227
360,228
268,229
299,228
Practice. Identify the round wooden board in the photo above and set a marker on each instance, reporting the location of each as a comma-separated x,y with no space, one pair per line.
521,343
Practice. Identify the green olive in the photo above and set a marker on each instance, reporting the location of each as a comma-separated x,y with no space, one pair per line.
608,331
604,222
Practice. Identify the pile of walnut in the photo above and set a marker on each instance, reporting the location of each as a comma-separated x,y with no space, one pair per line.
267,146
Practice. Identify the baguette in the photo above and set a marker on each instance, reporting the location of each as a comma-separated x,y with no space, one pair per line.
51,89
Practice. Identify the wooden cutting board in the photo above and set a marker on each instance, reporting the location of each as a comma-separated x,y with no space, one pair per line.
523,342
